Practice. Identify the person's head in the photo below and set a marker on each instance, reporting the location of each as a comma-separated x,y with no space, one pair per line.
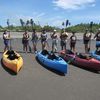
73,33
62,30
43,31
86,31
99,30
26,31
54,31
5,31
34,31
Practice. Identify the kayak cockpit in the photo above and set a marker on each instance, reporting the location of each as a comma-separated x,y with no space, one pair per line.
49,55
97,52
83,56
11,55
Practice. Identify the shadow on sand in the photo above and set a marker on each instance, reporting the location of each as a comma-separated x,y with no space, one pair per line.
52,70
23,52
87,69
7,69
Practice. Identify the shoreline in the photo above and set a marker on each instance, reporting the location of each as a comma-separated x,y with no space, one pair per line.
20,35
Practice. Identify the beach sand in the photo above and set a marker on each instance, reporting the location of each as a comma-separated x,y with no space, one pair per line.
35,82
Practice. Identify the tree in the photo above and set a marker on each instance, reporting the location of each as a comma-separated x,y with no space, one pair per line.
22,22
8,24
32,23
27,23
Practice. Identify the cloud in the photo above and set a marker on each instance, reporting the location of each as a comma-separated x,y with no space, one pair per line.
40,15
73,4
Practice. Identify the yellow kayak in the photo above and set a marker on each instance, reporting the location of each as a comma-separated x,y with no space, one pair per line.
12,60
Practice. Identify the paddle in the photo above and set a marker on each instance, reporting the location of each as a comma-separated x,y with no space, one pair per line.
10,43
91,25
8,24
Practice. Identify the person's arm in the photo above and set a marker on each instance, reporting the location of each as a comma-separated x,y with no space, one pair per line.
3,36
9,35
76,38
95,36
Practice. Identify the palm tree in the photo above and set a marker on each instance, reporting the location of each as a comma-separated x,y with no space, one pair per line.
32,23
8,23
22,22
27,22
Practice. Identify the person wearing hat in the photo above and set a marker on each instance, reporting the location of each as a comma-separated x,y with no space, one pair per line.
63,37
86,40
73,40
34,40
6,38
97,37
54,37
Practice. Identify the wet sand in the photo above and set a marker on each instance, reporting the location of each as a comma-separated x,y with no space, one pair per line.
35,82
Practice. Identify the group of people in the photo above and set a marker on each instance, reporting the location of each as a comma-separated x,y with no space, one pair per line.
44,40
64,37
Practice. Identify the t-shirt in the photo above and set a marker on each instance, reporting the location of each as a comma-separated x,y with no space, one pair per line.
6,36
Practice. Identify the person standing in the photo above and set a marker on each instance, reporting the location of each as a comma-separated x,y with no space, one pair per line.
63,37
97,36
73,40
44,39
54,41
34,40
6,38
87,39
25,41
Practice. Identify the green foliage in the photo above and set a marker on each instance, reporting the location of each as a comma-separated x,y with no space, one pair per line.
81,28
29,25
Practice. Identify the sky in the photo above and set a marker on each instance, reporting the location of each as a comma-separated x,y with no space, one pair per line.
51,12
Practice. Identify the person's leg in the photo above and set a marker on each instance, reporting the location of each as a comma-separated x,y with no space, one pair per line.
55,46
70,46
86,48
6,45
65,43
42,45
61,44
26,47
5,48
52,46
45,45
23,47
73,47
34,47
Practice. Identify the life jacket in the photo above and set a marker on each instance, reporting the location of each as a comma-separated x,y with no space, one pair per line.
73,39
44,36
87,36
